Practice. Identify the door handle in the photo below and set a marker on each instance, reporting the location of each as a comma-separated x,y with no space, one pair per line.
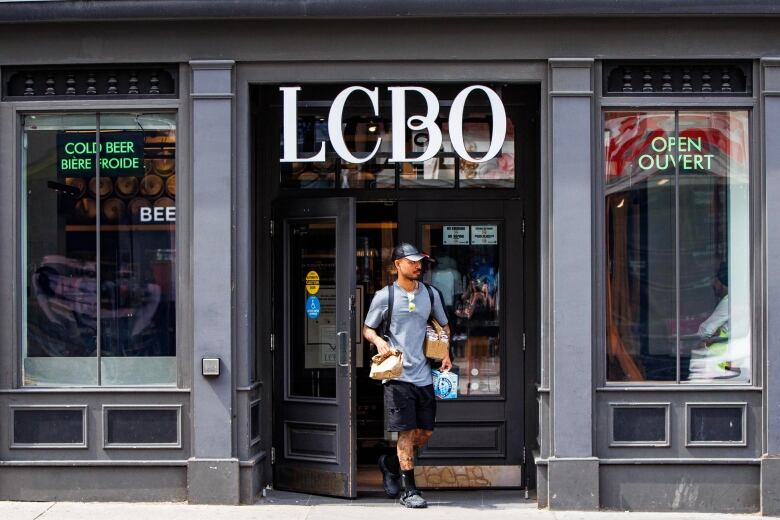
343,341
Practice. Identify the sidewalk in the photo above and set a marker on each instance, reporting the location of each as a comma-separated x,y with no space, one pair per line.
444,505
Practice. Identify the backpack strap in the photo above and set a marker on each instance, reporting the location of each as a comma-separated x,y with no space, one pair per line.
389,316
432,288
430,295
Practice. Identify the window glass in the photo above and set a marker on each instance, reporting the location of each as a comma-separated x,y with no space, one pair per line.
466,272
137,258
640,221
60,294
99,246
714,247
313,339
677,246
312,129
498,172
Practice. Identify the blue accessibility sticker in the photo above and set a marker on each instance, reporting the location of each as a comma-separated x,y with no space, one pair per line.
312,307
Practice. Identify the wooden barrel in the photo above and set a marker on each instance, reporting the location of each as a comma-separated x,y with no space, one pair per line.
170,186
152,186
106,187
86,210
127,187
164,166
135,205
79,183
113,210
164,202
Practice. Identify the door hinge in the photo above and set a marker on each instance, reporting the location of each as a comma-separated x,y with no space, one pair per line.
523,454
273,342
273,456
523,340
271,228
524,226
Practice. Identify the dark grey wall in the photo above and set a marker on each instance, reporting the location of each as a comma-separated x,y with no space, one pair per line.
728,488
243,9
402,39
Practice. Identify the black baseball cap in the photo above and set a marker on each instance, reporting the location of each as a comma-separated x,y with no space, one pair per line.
407,250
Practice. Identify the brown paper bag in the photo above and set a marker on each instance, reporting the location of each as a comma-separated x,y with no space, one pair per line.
389,365
436,349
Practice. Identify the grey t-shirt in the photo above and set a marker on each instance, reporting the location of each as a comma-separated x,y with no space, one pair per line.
407,328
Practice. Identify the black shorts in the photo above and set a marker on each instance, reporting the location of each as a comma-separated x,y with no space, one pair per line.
409,406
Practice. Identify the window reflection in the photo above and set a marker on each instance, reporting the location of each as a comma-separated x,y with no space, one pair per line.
466,272
498,172
640,220
714,250
677,222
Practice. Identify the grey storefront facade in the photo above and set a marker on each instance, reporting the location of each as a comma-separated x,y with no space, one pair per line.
606,396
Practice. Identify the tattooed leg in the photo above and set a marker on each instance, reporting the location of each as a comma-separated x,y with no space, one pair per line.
405,448
421,437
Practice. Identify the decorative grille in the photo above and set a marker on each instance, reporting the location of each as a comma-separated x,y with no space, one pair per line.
677,79
127,81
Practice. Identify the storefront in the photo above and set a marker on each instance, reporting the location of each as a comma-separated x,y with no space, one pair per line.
336,219
197,225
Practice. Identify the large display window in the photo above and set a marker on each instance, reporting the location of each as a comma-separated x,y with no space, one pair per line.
98,249
678,296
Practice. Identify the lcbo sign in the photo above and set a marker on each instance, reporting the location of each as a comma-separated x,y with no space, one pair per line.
415,123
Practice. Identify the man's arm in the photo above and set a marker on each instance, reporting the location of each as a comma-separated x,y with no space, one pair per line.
718,318
446,363
375,339
377,313
438,306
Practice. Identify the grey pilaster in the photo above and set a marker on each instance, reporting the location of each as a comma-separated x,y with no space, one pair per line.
770,464
212,475
10,263
572,477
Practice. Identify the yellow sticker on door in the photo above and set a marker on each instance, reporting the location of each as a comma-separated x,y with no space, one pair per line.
312,282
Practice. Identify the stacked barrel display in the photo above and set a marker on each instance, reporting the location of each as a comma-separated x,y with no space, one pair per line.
123,197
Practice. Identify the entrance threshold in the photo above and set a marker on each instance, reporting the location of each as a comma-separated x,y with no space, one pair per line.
448,477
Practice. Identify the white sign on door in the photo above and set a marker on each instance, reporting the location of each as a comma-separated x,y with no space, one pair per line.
455,236
484,235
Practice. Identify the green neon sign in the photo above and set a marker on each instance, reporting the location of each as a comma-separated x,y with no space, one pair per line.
118,153
671,152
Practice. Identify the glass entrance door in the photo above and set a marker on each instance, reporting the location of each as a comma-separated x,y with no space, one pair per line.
314,273
479,269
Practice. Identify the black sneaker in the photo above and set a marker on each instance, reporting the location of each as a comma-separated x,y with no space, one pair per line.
413,499
390,480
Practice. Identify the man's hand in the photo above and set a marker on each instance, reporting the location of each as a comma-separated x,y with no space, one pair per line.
375,339
382,346
446,364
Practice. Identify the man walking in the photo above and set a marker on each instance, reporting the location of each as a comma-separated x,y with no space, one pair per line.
410,403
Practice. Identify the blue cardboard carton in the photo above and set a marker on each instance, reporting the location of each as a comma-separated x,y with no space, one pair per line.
445,384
